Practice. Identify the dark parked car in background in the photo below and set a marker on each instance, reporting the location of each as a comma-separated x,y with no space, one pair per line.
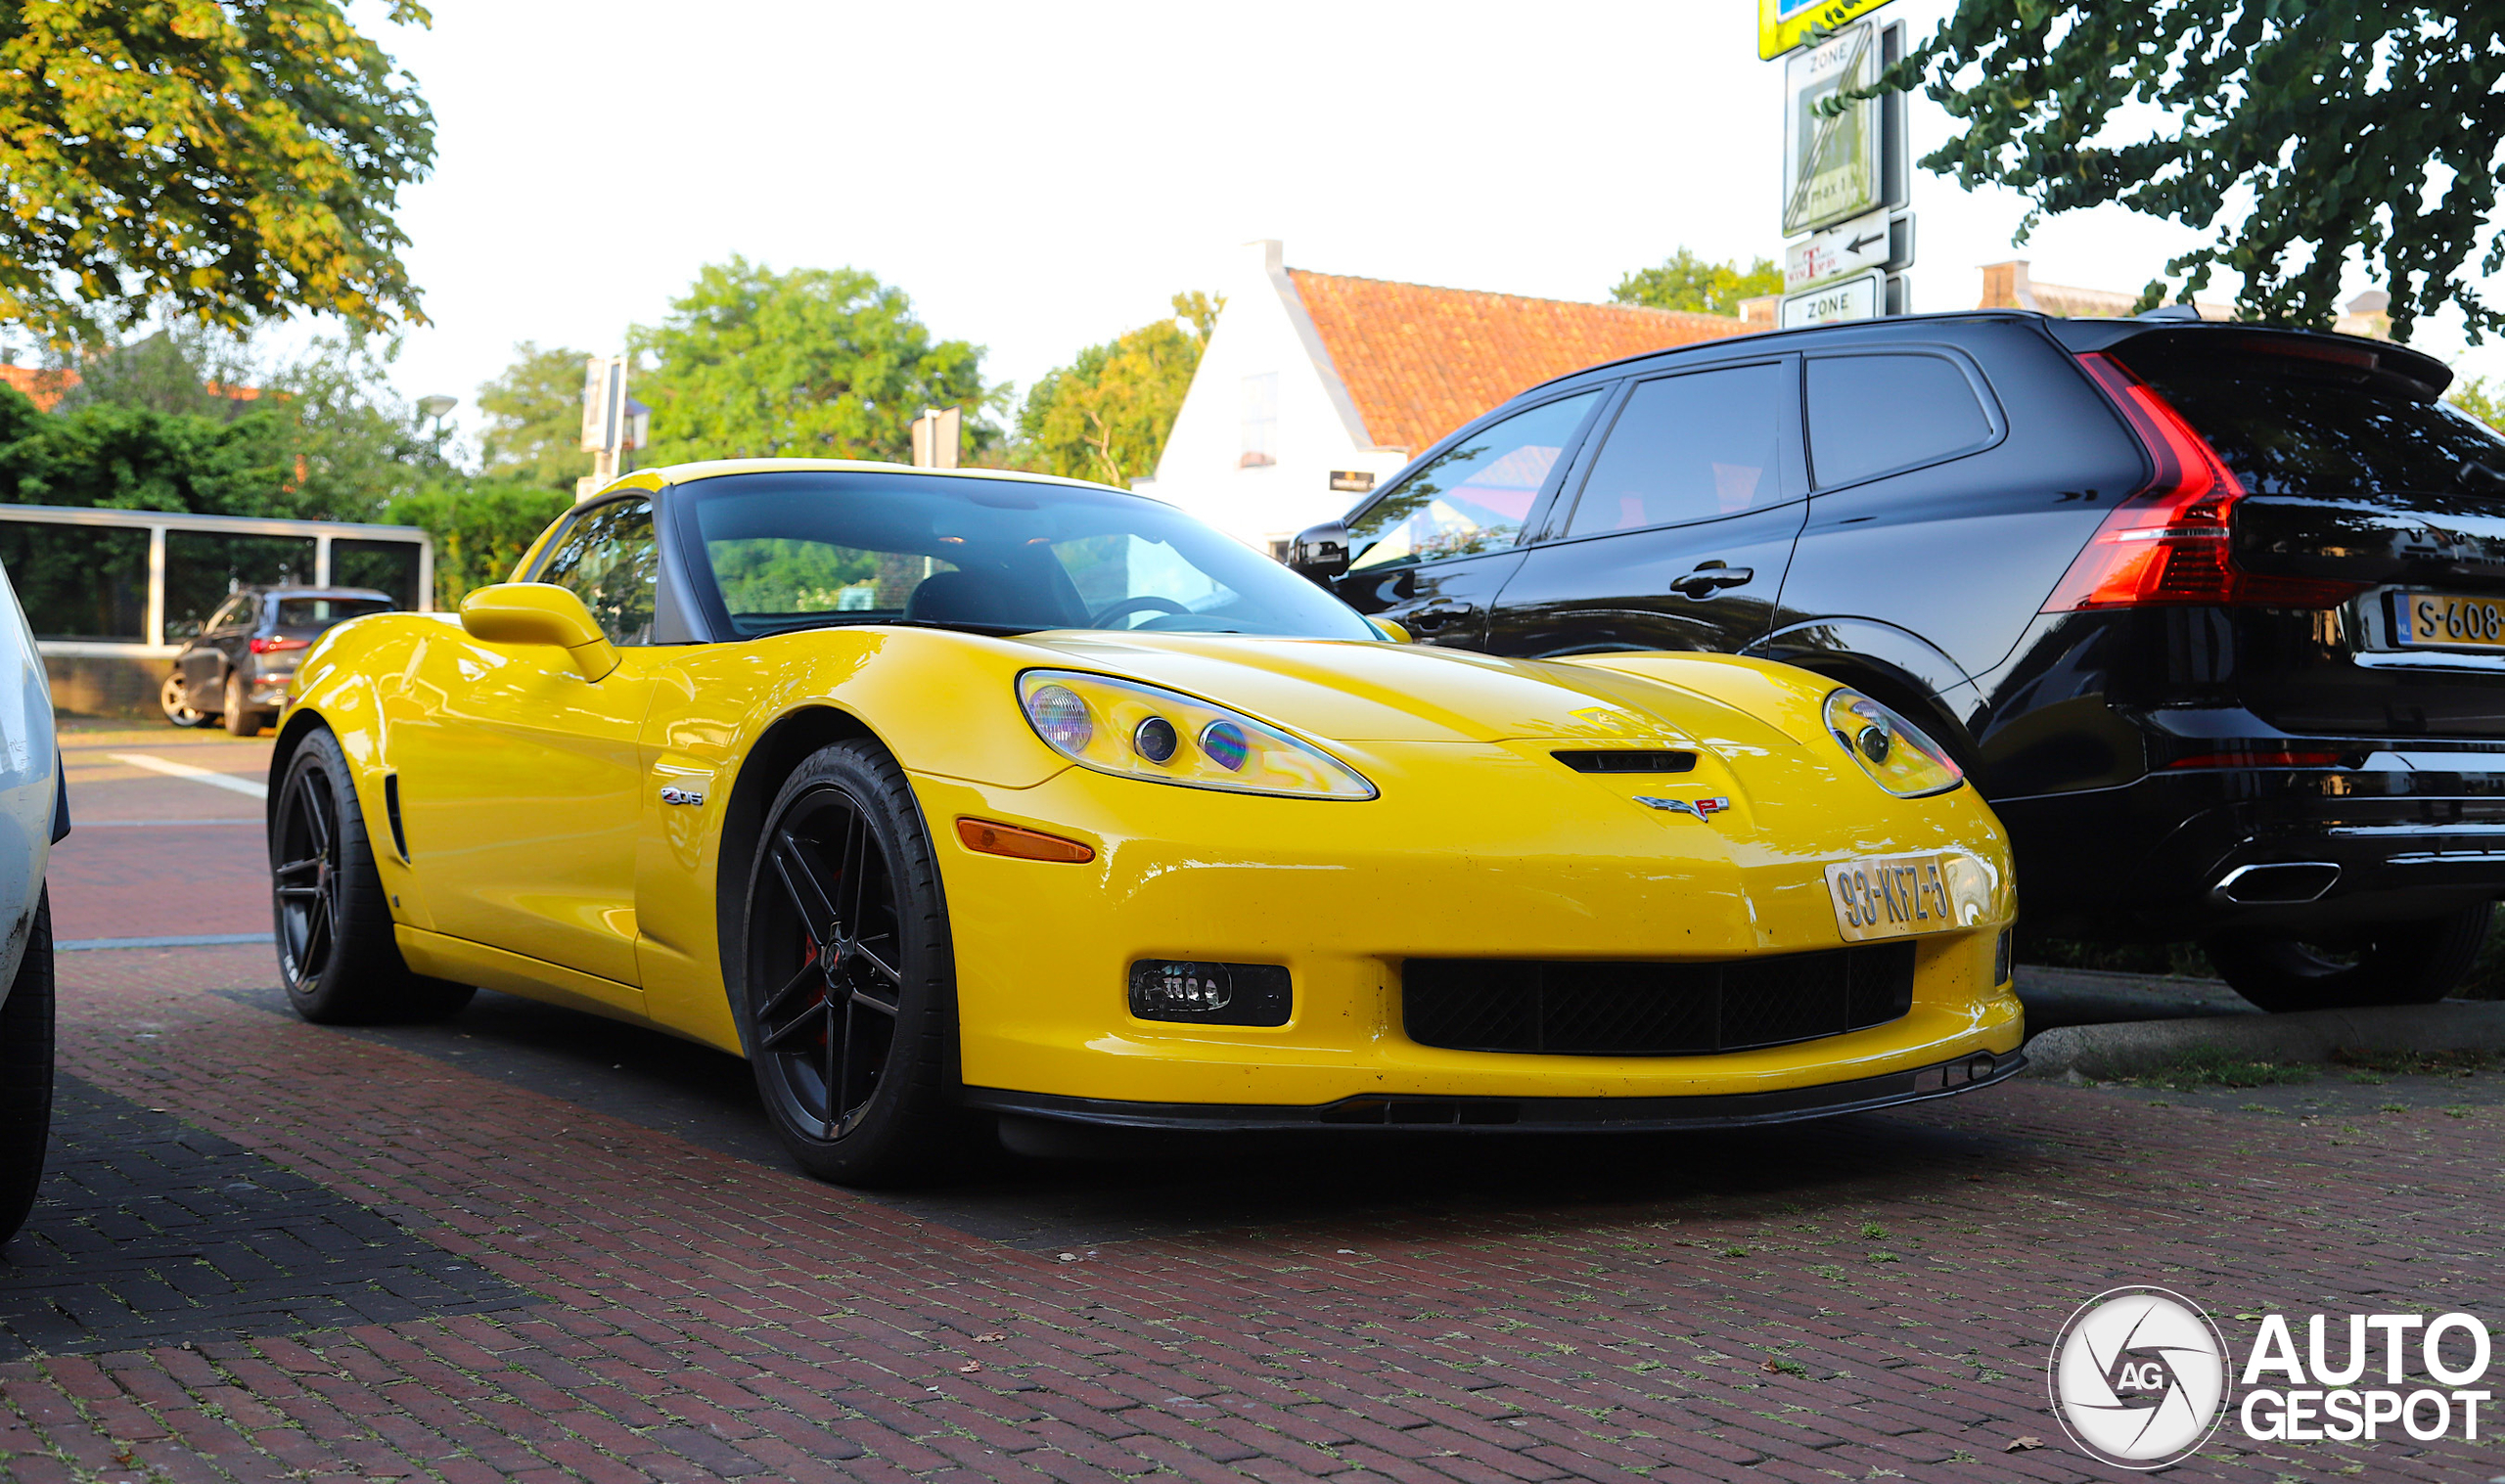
2214,615
239,665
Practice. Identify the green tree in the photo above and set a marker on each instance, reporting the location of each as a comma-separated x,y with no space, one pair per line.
481,529
2293,137
534,419
1106,415
122,457
2474,397
228,161
1691,282
814,363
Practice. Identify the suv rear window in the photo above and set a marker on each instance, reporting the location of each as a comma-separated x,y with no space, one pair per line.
322,612
2287,428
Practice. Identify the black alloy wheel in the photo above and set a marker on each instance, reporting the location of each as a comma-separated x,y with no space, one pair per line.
2416,963
850,1020
336,952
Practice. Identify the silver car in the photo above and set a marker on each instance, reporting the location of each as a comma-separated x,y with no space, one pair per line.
34,812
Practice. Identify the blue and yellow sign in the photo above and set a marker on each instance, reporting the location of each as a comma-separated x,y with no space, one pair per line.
1783,24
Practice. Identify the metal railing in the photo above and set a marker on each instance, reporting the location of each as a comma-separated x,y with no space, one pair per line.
44,602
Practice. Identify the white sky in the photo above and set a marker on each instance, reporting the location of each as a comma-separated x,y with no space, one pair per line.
1041,177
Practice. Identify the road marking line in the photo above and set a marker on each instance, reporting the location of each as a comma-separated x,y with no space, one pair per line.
173,769
254,820
190,940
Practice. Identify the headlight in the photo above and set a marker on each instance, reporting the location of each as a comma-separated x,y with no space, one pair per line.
1893,750
1137,731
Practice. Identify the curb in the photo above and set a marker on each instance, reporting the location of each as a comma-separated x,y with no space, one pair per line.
2134,1047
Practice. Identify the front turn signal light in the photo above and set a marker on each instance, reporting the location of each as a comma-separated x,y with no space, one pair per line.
1147,731
993,838
1896,755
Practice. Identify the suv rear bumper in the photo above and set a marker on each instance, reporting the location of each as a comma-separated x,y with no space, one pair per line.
2175,855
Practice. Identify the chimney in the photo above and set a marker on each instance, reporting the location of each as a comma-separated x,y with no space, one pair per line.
2006,285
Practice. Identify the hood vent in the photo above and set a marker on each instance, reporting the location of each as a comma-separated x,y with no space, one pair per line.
1627,760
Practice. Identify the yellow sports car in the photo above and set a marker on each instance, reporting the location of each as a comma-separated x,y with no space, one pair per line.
962,801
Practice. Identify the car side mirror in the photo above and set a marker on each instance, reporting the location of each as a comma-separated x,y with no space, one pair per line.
1320,552
539,612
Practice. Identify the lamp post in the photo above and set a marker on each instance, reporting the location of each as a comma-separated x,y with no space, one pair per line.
436,408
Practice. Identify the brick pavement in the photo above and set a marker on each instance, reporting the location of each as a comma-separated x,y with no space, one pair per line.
1870,1298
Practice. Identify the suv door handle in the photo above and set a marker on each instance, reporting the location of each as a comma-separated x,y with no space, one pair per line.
1435,616
1711,575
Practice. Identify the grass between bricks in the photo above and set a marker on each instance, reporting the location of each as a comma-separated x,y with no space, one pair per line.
2213,1066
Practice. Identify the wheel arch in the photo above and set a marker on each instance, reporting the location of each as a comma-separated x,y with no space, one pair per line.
770,760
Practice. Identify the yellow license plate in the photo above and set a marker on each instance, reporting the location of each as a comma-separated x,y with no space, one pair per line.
2444,621
1894,896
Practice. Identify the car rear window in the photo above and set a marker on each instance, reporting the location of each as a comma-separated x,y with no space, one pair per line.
2287,429
1870,414
322,612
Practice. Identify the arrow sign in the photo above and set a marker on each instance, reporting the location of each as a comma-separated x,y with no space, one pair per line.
1878,241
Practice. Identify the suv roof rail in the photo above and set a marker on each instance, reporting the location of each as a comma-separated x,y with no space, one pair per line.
2168,312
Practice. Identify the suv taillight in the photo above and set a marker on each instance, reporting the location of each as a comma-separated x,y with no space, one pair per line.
2167,543
272,646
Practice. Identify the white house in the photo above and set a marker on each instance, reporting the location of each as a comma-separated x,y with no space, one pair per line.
1315,388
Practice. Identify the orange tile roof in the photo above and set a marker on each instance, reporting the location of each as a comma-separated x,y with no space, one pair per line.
40,386
1418,362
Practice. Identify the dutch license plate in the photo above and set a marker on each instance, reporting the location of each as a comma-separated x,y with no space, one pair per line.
2446,620
1893,897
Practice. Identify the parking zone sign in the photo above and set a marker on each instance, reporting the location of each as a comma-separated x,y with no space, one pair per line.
1831,162
1783,24
1856,298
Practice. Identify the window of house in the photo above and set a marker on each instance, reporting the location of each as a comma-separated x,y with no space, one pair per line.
1475,495
1869,413
1692,447
1261,421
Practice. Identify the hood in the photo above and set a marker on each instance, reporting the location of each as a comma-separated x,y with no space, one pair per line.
1361,692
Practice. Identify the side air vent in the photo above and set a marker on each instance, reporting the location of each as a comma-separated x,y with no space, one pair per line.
391,812
1627,760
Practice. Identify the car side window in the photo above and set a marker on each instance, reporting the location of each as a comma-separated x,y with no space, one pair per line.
1692,447
230,614
1874,413
611,560
1475,495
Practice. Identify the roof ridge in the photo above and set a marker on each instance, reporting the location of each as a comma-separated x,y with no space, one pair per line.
1529,298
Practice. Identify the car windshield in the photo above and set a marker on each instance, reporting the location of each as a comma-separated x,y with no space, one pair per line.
322,612
799,549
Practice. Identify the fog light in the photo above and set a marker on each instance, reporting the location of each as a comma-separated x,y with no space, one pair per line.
1201,993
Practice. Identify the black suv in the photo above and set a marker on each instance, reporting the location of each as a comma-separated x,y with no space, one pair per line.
240,662
2214,615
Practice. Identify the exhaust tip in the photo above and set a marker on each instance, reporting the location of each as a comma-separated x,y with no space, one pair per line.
2279,884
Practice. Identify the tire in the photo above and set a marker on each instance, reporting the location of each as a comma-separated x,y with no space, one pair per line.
175,698
847,997
336,953
2415,962
240,720
25,1075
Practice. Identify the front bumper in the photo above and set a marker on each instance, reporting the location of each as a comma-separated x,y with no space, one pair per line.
1550,1115
2408,836
1481,852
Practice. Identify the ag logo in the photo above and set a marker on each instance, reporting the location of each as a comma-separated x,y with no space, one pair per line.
2139,1378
